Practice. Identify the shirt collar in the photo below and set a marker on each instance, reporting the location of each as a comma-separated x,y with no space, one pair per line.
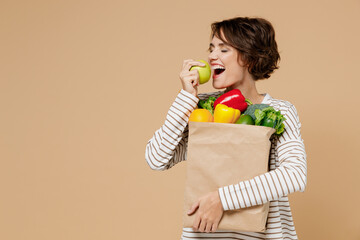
266,99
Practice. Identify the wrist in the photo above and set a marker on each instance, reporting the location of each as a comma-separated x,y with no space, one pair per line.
193,95
188,98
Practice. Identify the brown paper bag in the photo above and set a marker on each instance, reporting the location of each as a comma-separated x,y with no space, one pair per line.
221,154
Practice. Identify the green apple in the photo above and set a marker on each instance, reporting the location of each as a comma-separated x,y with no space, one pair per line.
204,72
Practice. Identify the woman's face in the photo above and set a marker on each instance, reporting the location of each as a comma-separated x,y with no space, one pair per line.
224,56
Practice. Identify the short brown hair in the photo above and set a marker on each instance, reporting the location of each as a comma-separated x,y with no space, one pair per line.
254,38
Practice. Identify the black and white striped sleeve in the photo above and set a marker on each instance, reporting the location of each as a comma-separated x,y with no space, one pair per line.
288,177
168,144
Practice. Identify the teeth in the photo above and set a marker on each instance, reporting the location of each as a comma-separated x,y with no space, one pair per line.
218,67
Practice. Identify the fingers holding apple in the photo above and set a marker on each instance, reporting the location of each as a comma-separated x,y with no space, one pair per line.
194,73
190,79
204,71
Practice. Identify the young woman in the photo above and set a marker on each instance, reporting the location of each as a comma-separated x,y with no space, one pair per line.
242,51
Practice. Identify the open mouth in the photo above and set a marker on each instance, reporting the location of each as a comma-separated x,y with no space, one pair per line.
218,71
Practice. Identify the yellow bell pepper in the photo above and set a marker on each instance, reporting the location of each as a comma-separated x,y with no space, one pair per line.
225,114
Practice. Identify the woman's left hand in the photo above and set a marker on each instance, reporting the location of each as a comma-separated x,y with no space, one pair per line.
209,214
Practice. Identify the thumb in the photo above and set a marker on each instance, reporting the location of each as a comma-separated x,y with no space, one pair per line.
193,208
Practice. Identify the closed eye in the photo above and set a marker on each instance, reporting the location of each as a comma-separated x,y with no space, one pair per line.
221,50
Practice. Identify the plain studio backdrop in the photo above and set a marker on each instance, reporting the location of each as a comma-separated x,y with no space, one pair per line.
85,84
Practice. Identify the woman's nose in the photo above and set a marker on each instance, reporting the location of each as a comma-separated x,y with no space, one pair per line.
212,56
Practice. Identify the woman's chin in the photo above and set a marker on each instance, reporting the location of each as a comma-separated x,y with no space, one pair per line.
217,84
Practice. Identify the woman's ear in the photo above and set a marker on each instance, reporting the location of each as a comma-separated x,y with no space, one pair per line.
242,62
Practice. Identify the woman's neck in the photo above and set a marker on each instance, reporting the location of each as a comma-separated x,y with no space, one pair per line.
249,91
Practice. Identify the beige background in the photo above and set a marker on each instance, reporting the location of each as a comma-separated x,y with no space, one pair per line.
85,84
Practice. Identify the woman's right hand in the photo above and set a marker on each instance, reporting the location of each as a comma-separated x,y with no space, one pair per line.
190,79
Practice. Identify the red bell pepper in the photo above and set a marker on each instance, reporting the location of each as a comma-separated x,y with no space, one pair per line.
233,99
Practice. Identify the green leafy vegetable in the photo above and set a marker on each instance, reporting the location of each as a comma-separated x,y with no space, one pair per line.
251,109
207,104
269,117
201,103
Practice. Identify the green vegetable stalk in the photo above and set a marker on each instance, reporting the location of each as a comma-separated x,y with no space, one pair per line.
248,102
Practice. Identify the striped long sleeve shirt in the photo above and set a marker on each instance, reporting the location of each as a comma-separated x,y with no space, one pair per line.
287,168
